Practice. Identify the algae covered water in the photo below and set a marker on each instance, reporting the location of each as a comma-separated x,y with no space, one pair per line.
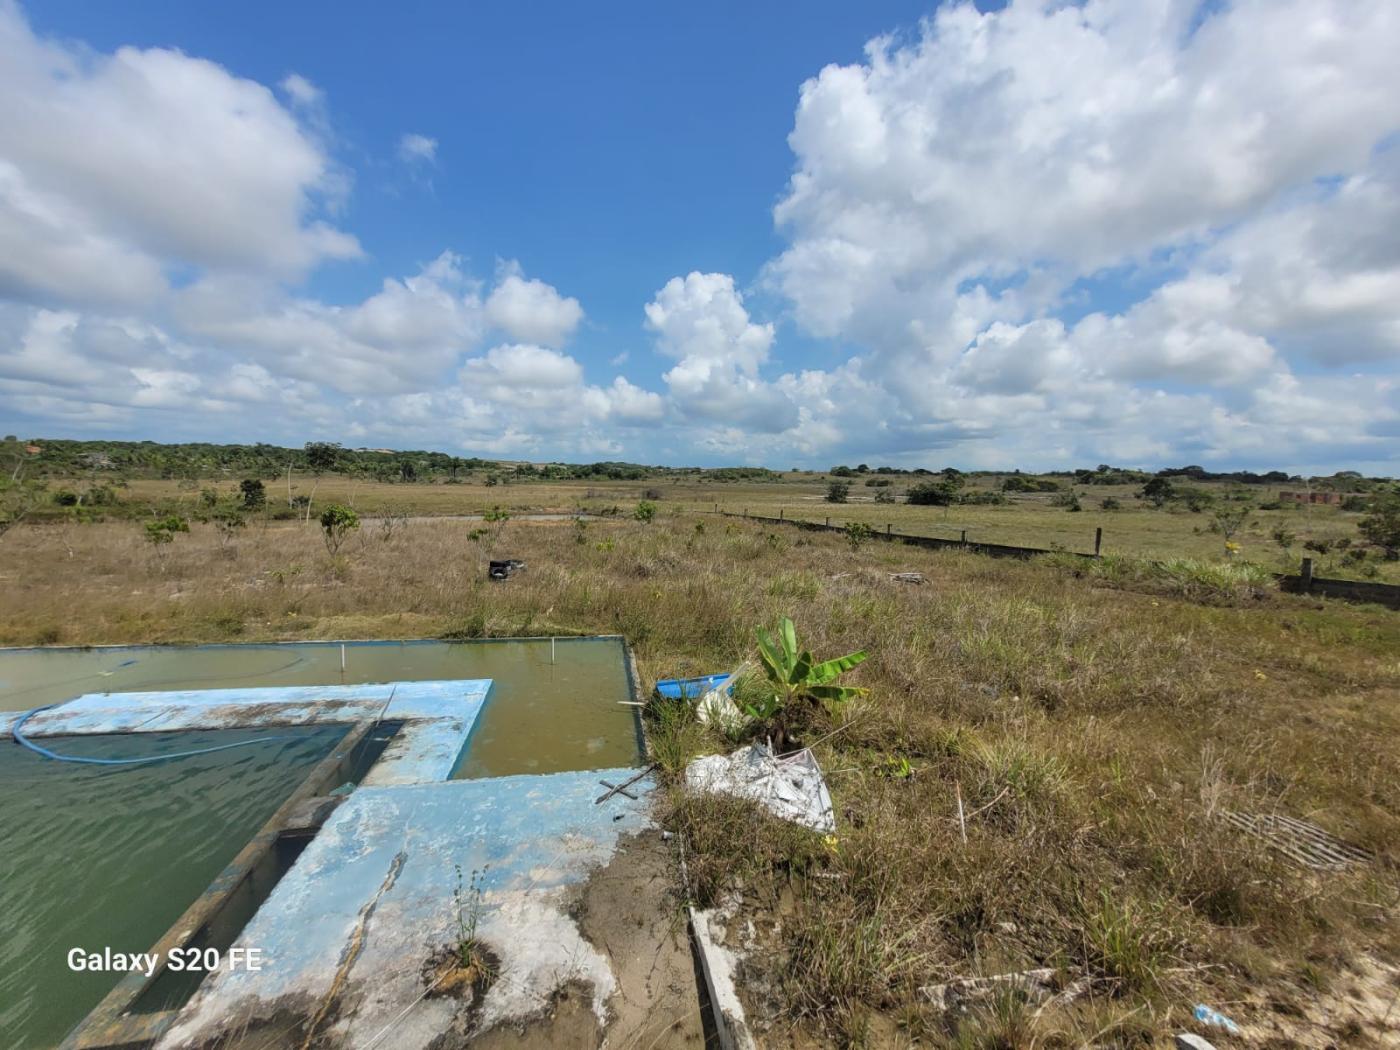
108,857
556,706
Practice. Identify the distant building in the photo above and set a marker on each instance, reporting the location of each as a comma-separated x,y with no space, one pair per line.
1326,497
33,450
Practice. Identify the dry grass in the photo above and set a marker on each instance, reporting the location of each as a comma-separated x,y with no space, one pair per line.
1135,530
1090,725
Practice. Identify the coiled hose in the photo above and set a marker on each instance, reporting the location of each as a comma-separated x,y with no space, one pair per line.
24,741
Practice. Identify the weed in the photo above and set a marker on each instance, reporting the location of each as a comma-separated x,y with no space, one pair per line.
472,958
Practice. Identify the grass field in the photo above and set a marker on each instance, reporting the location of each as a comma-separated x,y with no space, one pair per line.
1094,729
1136,530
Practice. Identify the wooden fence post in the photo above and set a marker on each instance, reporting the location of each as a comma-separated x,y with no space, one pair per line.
828,521
780,513
1098,540
964,536
1307,574
888,526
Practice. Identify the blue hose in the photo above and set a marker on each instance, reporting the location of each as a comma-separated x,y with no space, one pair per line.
24,741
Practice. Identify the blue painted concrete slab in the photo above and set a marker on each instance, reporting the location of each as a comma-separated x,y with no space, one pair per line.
376,887
437,717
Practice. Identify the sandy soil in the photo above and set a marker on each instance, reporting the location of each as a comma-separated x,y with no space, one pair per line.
630,911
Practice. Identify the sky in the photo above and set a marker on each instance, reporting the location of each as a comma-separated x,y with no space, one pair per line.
1039,235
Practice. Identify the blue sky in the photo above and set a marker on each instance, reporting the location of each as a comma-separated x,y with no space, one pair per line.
608,149
1036,236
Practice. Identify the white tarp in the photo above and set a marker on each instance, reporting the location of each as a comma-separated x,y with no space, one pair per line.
790,787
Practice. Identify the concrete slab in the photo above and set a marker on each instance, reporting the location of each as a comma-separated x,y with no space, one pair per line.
348,933
438,717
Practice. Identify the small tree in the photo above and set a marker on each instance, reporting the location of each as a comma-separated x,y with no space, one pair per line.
857,532
496,518
160,533
1227,521
337,522
321,456
254,494
645,512
797,682
1158,492
228,520
1381,525
17,499
838,492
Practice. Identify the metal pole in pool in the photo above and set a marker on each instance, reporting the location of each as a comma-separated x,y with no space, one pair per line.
342,657
551,650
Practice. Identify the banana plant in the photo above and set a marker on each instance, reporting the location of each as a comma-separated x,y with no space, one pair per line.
797,681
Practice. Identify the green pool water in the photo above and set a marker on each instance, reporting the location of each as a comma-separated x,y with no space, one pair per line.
96,857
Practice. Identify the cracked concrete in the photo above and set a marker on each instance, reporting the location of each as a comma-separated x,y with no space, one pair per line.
532,841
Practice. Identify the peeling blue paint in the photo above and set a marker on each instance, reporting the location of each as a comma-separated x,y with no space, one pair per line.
529,839
437,717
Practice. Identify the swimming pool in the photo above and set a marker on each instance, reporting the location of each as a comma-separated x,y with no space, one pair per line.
112,856
558,705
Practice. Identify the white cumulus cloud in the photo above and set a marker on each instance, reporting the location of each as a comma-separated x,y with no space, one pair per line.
530,310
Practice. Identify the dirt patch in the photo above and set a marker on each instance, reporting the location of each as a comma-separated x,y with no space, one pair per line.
281,1027
568,1024
632,911
1358,1008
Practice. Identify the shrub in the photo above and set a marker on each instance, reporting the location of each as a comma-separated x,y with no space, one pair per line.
1110,503
1158,491
228,520
254,494
645,512
1381,526
934,493
857,532
884,496
838,492
337,522
1021,483
162,530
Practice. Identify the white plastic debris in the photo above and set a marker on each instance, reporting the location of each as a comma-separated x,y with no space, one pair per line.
1214,1018
718,708
790,787
1189,1041
1037,986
